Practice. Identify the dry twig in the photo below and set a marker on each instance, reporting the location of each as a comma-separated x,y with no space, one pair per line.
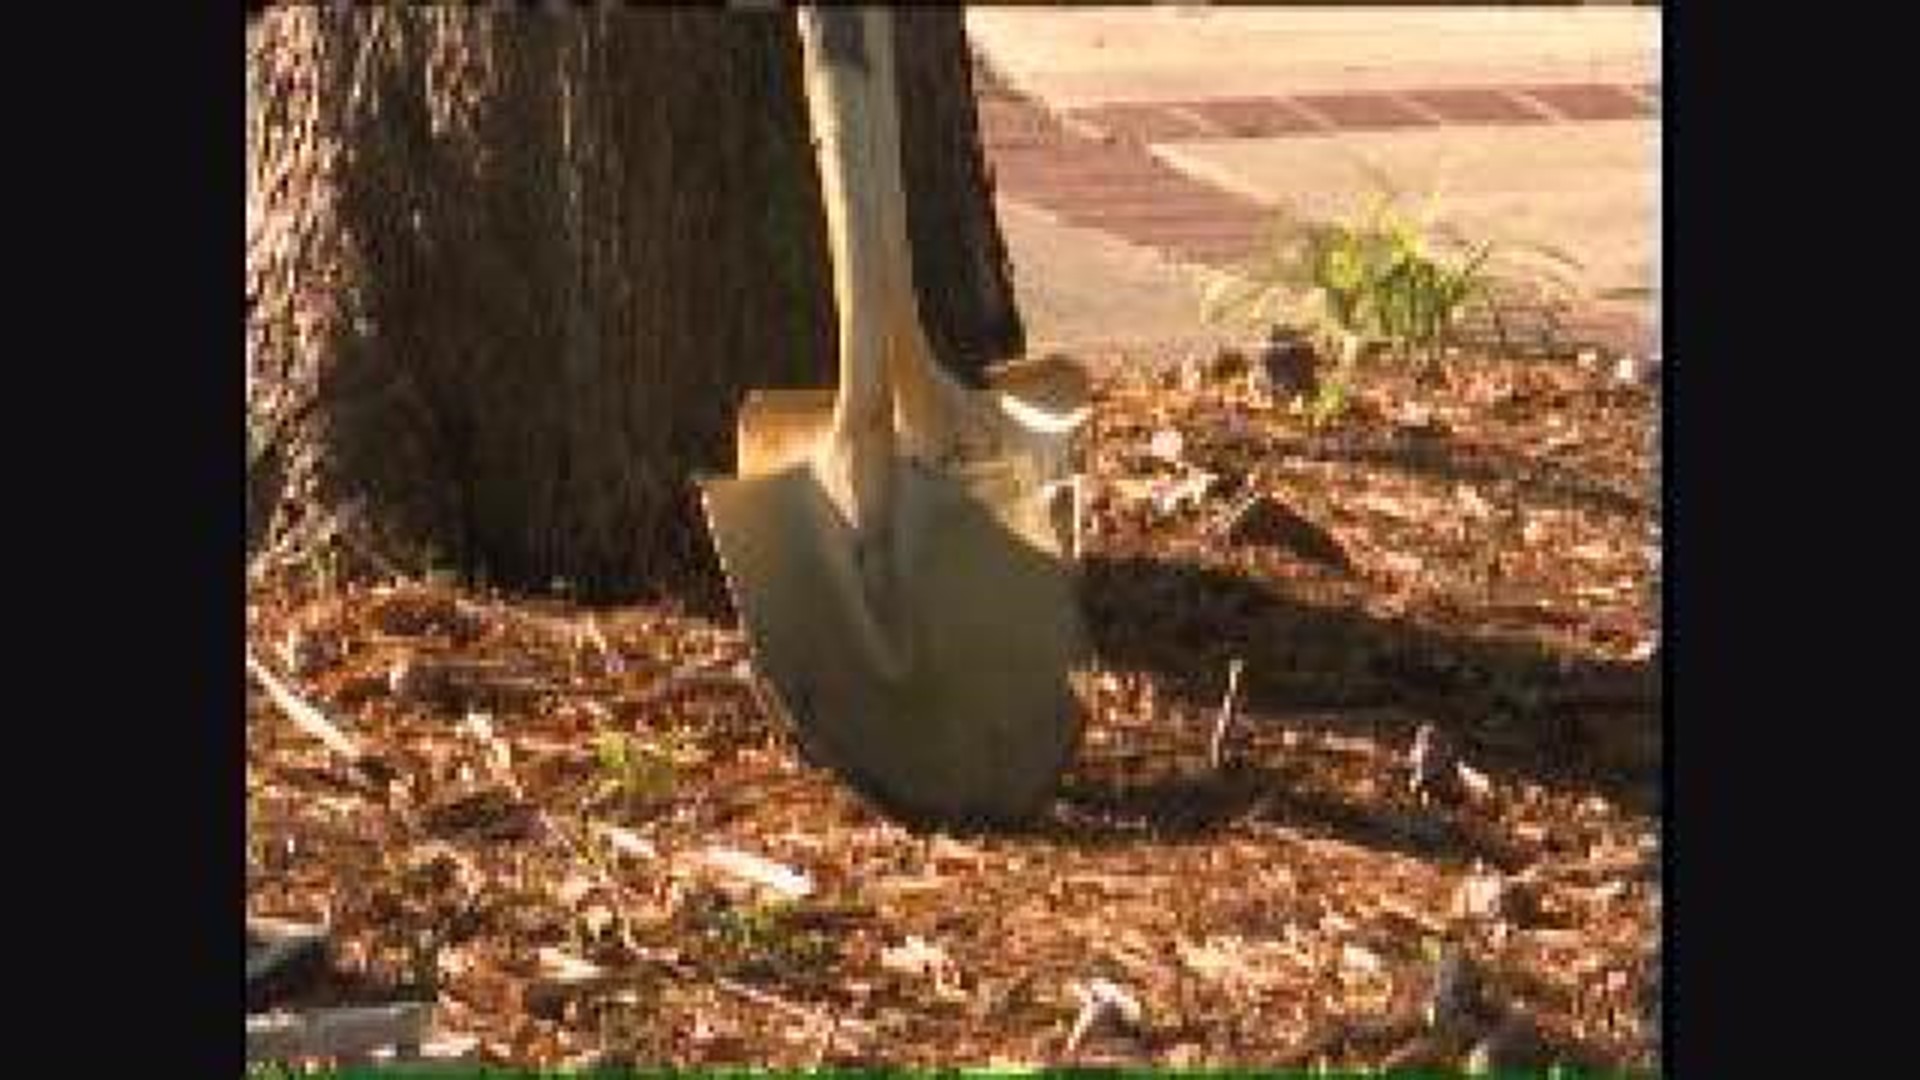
304,716
701,674
1102,1002
1229,705
829,1023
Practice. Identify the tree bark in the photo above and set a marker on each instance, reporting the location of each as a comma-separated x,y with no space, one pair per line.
509,273
959,257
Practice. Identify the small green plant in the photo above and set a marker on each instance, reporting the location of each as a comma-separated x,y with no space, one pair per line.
1334,389
637,772
324,569
768,937
1329,400
1378,278
1382,281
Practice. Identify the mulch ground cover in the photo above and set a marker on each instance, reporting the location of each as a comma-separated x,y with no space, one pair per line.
584,835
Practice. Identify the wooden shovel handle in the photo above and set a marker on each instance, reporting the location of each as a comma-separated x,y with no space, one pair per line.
840,102
853,50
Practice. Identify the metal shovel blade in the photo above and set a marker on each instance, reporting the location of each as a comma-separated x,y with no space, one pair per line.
1036,408
1041,400
982,721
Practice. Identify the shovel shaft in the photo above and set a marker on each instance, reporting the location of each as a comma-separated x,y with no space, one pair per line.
840,96
852,91
924,404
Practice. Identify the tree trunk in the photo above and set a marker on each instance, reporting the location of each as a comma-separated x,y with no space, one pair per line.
510,273
960,261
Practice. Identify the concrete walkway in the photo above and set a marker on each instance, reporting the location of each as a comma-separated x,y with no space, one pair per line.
1137,151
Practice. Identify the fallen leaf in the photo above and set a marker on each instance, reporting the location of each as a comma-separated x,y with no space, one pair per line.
1168,445
1185,1055
1592,551
1471,501
1232,961
1478,785
627,842
450,1046
563,977
1189,490
754,872
1384,504
559,965
1402,565
572,889
1359,958
1493,897
915,957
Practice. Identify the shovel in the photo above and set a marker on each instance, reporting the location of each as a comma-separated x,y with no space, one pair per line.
900,549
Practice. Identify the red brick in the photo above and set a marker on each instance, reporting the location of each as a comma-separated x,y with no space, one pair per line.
1189,234
1190,225
1067,159
1076,172
1208,218
1252,118
1140,123
1192,198
1589,102
1374,110
1083,188
1016,124
1075,161
1475,106
1221,254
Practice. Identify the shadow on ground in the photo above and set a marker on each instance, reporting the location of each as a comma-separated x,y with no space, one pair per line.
1538,481
1519,710
1193,806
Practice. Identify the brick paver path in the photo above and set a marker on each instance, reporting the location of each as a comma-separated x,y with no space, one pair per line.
1091,167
